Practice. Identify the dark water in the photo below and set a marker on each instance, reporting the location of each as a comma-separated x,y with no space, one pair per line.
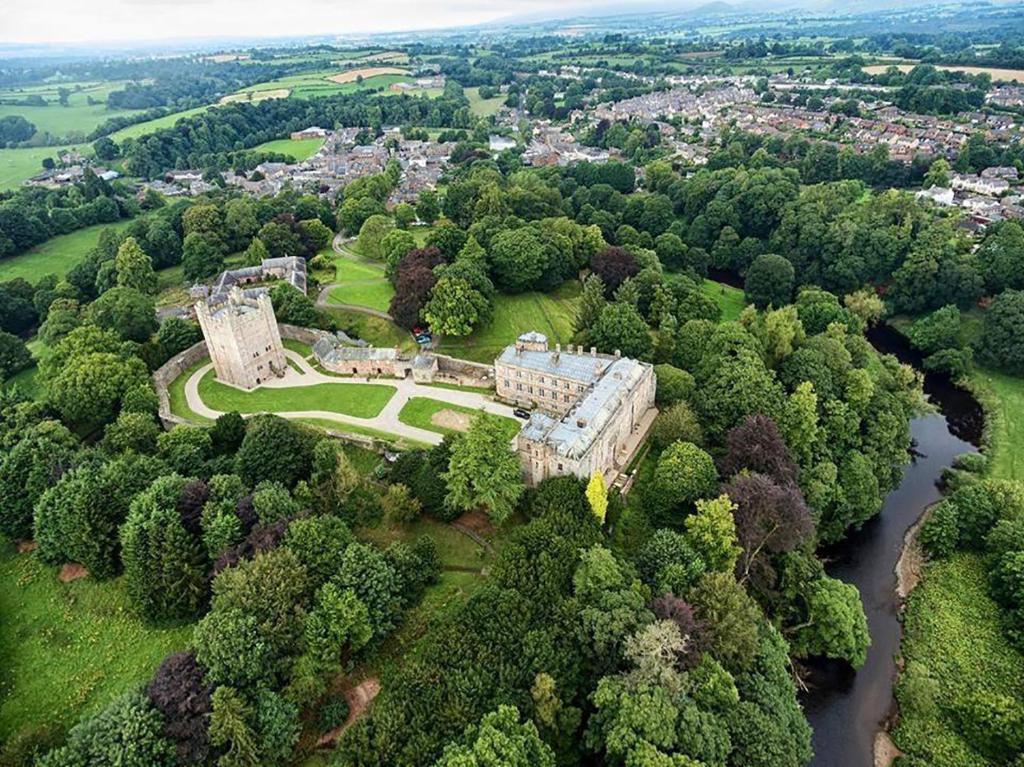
845,709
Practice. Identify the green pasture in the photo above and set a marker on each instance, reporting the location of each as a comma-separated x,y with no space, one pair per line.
67,649
55,256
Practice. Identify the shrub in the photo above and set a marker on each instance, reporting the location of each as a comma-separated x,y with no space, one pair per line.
333,713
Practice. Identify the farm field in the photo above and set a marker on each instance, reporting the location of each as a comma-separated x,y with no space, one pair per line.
140,129
103,649
16,165
550,313
300,150
355,399
1016,75
431,414
353,75
61,122
55,256
320,83
78,117
255,96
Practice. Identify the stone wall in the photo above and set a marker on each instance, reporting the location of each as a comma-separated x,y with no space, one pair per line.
307,336
170,370
463,372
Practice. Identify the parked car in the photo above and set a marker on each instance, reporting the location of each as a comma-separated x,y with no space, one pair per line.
520,413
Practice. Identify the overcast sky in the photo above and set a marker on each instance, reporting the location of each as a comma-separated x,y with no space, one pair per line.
34,21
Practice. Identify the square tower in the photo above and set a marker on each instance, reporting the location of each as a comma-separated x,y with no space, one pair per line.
241,335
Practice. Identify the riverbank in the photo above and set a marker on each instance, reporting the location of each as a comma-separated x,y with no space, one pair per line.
952,640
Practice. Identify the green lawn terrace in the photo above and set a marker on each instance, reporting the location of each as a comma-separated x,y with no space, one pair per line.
552,314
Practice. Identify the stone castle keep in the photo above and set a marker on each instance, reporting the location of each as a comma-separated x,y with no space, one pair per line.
242,337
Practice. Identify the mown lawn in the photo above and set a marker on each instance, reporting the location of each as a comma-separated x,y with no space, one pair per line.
419,412
55,256
361,283
16,165
550,313
356,399
300,150
176,394
728,298
953,646
68,649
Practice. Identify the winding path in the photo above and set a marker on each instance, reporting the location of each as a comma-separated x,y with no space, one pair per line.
387,420
322,299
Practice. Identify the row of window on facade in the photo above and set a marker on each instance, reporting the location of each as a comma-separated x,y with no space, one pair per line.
540,379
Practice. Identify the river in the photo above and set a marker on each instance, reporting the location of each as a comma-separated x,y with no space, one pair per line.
846,709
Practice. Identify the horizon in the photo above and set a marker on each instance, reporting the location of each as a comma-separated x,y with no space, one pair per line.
115,22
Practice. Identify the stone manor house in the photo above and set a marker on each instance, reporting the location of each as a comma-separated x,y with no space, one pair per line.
591,411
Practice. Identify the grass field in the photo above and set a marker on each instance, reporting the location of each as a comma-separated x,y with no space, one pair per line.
176,394
375,330
61,122
355,399
420,412
361,284
483,107
55,256
1003,396
319,83
453,548
16,165
953,646
550,313
149,126
730,299
68,649
300,150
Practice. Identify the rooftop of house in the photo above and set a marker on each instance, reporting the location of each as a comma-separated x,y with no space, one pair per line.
577,366
572,436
